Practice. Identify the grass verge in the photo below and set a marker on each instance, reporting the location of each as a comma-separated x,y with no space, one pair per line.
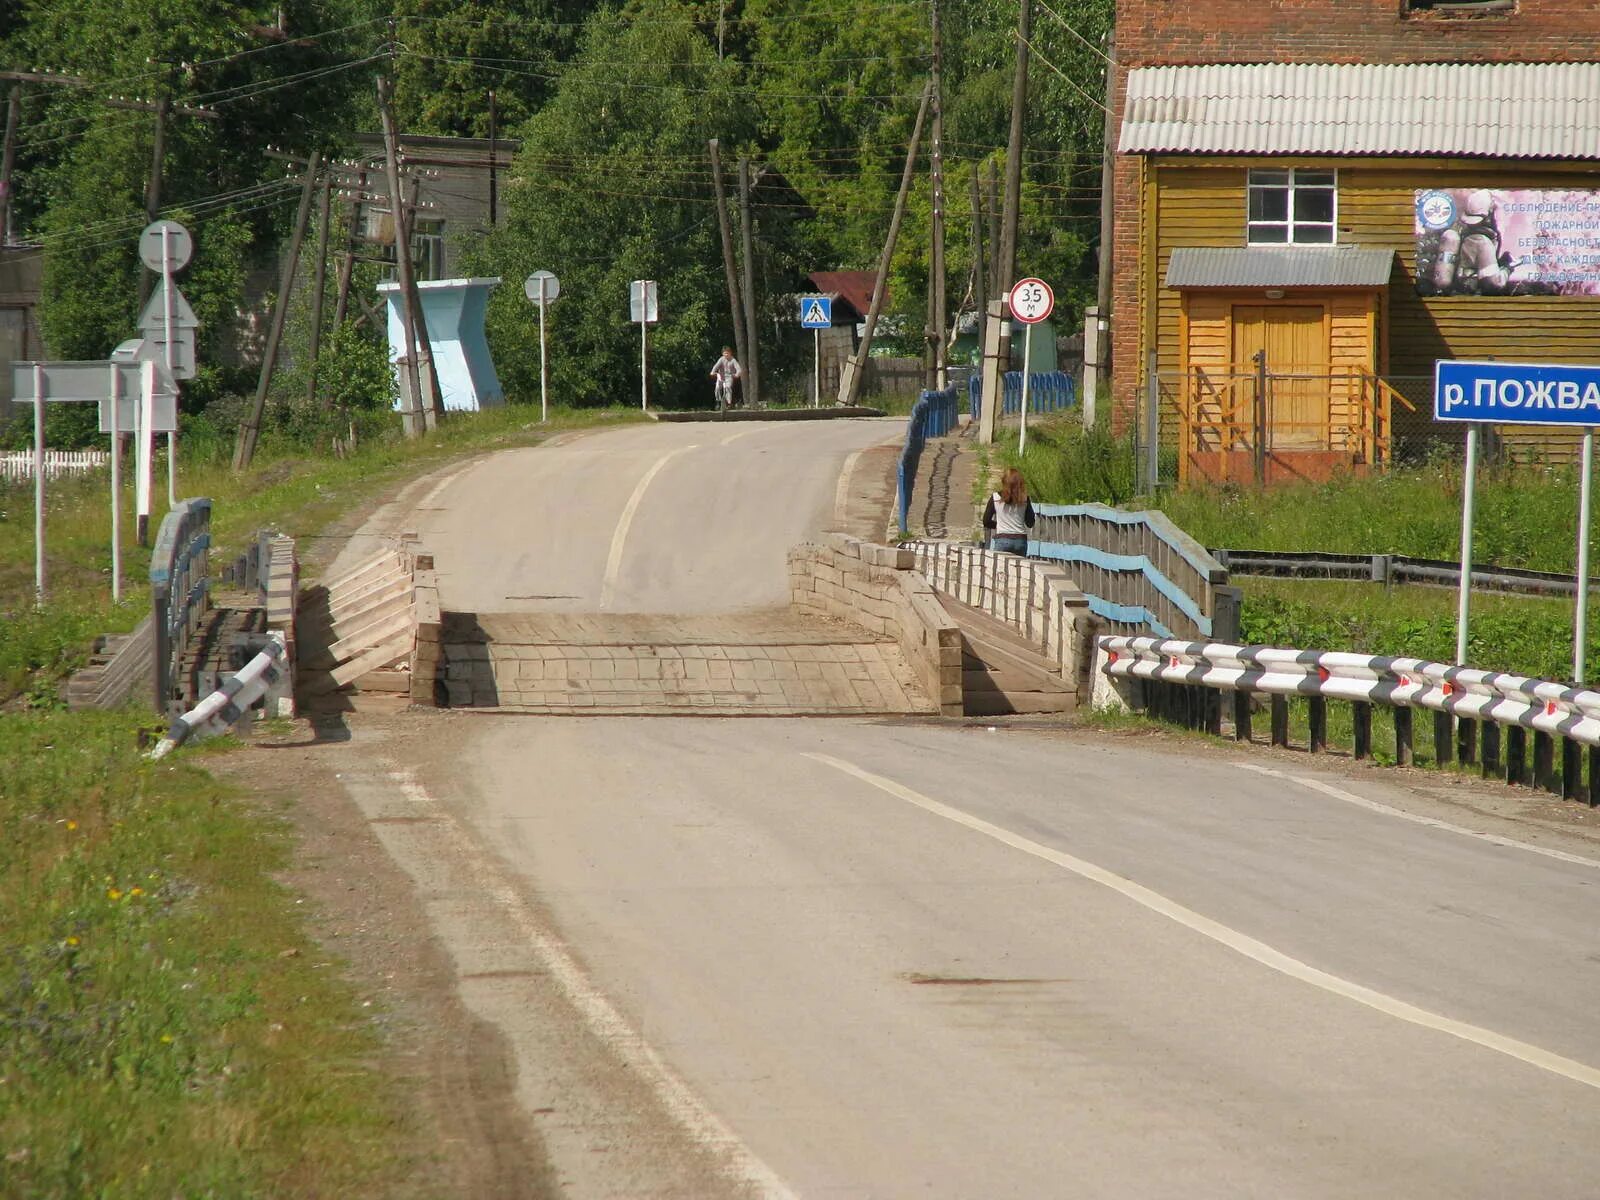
164,1030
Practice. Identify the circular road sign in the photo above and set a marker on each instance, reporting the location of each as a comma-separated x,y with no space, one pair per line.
552,286
169,253
1032,300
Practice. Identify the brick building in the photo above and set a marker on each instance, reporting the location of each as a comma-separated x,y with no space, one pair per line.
1318,198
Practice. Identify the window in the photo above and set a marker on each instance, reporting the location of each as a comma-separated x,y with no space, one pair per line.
427,248
1459,8
1293,206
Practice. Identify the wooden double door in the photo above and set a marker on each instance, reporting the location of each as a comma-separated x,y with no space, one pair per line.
1294,404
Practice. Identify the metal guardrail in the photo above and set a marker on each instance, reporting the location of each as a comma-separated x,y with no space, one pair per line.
1048,391
933,415
1390,569
1189,677
180,586
1140,572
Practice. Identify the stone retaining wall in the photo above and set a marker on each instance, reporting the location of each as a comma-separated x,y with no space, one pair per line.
878,588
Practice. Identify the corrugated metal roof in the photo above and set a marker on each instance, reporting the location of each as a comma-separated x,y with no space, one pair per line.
1515,110
1279,267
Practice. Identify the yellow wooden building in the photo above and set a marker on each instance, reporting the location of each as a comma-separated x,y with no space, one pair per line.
1311,240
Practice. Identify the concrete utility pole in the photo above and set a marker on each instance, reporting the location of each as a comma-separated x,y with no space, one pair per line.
1007,253
936,255
850,381
729,268
1108,181
8,161
245,448
411,377
752,365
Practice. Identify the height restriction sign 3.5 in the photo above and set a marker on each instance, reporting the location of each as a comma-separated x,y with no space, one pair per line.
1031,300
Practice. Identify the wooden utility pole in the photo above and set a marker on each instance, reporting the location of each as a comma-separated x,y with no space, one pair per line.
411,377
850,382
980,277
752,340
1007,252
1108,182
992,219
494,168
8,161
729,268
936,264
245,448
318,287
152,189
352,242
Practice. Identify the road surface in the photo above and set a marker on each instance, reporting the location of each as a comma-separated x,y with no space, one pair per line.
843,958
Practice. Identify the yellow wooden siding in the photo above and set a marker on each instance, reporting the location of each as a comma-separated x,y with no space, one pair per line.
1202,202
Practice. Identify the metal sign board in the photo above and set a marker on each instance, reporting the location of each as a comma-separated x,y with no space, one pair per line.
541,284
816,312
643,304
1516,393
165,246
154,315
91,383
1031,300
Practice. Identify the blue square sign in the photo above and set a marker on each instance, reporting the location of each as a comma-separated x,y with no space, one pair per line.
816,312
1516,393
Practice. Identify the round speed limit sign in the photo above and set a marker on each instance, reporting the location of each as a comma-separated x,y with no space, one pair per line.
1032,300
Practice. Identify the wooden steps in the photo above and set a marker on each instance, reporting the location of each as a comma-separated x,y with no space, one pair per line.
357,632
1002,674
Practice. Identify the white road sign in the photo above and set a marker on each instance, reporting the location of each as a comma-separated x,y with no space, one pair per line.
643,305
1031,300
552,286
165,246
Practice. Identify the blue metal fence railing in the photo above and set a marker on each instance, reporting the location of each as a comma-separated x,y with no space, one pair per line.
180,583
1048,391
933,415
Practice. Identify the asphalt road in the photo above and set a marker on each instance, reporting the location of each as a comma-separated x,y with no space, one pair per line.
844,958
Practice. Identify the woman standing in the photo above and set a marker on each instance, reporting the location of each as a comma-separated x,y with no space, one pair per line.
1009,514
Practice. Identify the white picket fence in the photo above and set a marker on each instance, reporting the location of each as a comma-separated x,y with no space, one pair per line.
18,464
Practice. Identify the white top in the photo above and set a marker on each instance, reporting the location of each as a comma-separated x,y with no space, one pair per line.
1010,519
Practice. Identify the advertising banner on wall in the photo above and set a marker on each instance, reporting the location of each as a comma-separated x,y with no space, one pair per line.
1493,242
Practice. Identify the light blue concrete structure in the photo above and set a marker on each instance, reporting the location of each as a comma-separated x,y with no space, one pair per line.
454,310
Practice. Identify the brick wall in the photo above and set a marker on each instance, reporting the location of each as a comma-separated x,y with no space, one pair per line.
879,589
1197,32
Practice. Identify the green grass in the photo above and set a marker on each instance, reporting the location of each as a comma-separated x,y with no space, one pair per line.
285,488
163,1031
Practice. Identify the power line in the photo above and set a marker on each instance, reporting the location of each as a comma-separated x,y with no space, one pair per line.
1067,25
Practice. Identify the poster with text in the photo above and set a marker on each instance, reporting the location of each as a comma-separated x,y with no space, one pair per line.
1493,242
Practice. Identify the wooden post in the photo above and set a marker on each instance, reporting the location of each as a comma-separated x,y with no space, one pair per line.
1280,720
1516,754
1544,761
1489,763
992,217
1007,253
319,285
1593,795
1317,713
1242,702
494,168
8,161
980,274
1444,738
752,365
245,448
152,202
1108,180
1361,718
1571,769
1403,753
1466,741
938,316
730,269
352,244
850,384
410,419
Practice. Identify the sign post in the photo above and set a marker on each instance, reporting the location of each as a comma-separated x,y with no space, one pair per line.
816,314
1031,301
1521,394
542,287
38,483
164,247
644,308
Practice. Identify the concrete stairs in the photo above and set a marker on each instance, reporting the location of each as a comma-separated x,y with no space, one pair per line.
1001,673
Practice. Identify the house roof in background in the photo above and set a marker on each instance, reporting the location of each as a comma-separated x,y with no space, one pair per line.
853,287
1512,110
1279,267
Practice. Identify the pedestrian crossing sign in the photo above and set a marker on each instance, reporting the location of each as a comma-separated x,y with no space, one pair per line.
816,312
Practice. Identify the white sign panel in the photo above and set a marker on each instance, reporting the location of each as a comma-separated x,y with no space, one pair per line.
1031,300
643,306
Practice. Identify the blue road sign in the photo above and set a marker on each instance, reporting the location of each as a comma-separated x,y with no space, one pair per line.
1516,393
816,312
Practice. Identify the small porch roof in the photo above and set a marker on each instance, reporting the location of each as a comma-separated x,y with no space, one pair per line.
1279,267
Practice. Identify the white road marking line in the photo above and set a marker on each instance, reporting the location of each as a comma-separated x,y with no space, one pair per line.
841,494
427,501
1240,943
734,437
1339,793
608,585
602,1017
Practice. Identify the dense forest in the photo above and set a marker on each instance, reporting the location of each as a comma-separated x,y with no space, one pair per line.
612,105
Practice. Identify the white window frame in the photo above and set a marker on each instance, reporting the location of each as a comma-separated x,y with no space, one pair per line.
1288,223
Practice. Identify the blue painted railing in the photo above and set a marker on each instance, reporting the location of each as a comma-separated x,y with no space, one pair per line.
1048,391
179,584
1140,572
933,415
